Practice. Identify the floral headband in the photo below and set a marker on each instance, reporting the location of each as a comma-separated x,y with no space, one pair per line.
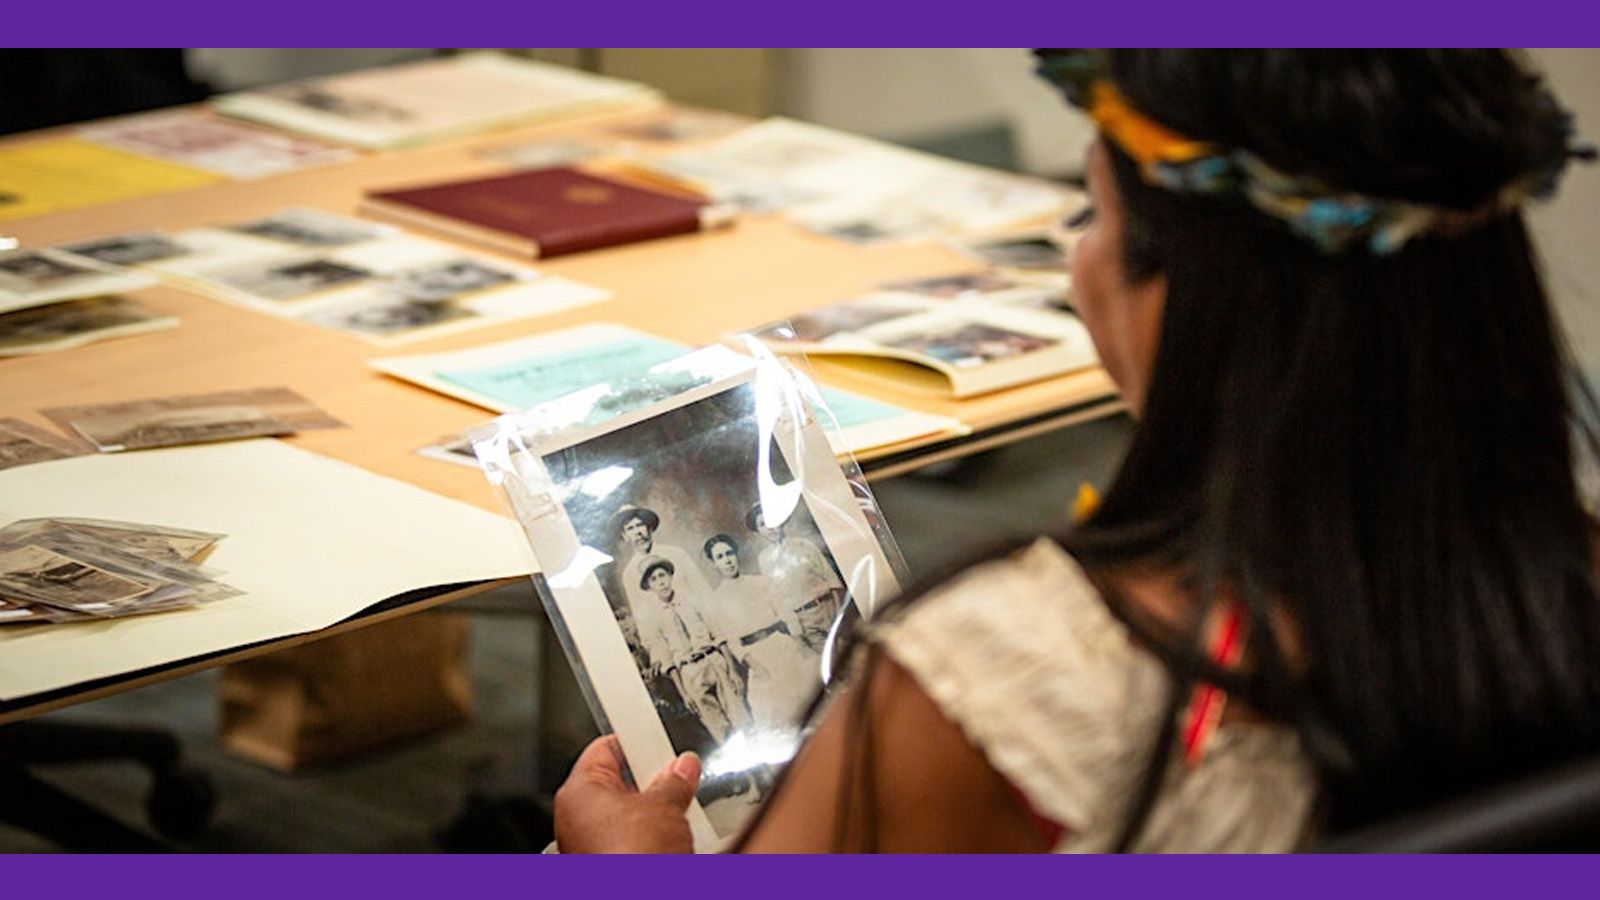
1330,218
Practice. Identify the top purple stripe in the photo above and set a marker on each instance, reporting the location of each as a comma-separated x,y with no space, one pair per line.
829,23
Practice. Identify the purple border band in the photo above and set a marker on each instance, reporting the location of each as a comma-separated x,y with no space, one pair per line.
801,878
804,23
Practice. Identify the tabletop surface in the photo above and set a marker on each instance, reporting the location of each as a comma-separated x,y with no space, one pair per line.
693,289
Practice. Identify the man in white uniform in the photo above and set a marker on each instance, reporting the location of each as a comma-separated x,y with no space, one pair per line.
808,586
782,672
684,644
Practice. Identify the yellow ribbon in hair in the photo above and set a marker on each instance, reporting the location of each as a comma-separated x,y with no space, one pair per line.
1143,139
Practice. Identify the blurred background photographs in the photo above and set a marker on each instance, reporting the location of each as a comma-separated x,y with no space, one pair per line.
367,280
39,276
129,249
307,227
192,419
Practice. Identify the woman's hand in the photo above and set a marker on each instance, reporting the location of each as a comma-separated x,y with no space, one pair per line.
598,812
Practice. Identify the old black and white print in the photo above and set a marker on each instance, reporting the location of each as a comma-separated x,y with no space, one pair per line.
728,609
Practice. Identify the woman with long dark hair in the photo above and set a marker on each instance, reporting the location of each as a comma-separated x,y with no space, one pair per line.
1345,569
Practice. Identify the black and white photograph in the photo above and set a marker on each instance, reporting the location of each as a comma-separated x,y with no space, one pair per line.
953,287
1032,252
973,344
282,279
438,282
130,249
385,314
851,315
704,557
310,228
22,271
324,99
727,609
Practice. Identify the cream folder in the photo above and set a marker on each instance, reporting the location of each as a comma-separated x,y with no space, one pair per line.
311,541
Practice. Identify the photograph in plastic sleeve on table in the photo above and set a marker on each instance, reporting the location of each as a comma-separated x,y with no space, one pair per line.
703,556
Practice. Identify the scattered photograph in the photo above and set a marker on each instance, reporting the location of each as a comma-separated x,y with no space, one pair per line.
192,419
310,228
288,279
130,249
22,271
323,99
971,345
72,323
953,287
851,315
727,608
1029,252
447,280
386,313
681,126
545,154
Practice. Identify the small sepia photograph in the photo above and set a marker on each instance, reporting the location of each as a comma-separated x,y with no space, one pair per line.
314,95
728,609
851,315
130,249
386,313
22,271
971,345
191,418
447,280
42,575
309,228
292,279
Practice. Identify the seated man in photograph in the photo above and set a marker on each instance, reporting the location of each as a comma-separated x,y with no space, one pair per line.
806,581
685,644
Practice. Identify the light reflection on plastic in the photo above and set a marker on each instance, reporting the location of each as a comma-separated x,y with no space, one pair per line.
774,392
583,564
749,749
600,483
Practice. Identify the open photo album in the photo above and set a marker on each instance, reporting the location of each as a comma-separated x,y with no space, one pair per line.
701,556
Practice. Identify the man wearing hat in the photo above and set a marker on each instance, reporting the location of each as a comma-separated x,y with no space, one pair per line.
808,587
683,643
635,529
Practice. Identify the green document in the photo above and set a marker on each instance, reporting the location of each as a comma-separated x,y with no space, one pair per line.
540,379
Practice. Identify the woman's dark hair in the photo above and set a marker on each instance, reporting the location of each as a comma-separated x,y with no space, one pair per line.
1375,455
1378,450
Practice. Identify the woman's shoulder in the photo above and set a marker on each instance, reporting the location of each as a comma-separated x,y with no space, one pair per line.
1022,653
1023,656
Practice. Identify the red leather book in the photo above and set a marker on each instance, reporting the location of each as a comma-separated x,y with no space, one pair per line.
546,212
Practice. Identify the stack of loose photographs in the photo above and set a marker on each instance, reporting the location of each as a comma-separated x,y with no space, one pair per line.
360,278
74,570
52,299
704,555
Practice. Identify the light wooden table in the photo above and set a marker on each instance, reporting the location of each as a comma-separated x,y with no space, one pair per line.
692,289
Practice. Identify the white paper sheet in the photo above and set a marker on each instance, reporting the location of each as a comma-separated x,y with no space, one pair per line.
311,541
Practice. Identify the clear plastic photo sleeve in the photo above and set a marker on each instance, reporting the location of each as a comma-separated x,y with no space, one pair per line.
702,550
